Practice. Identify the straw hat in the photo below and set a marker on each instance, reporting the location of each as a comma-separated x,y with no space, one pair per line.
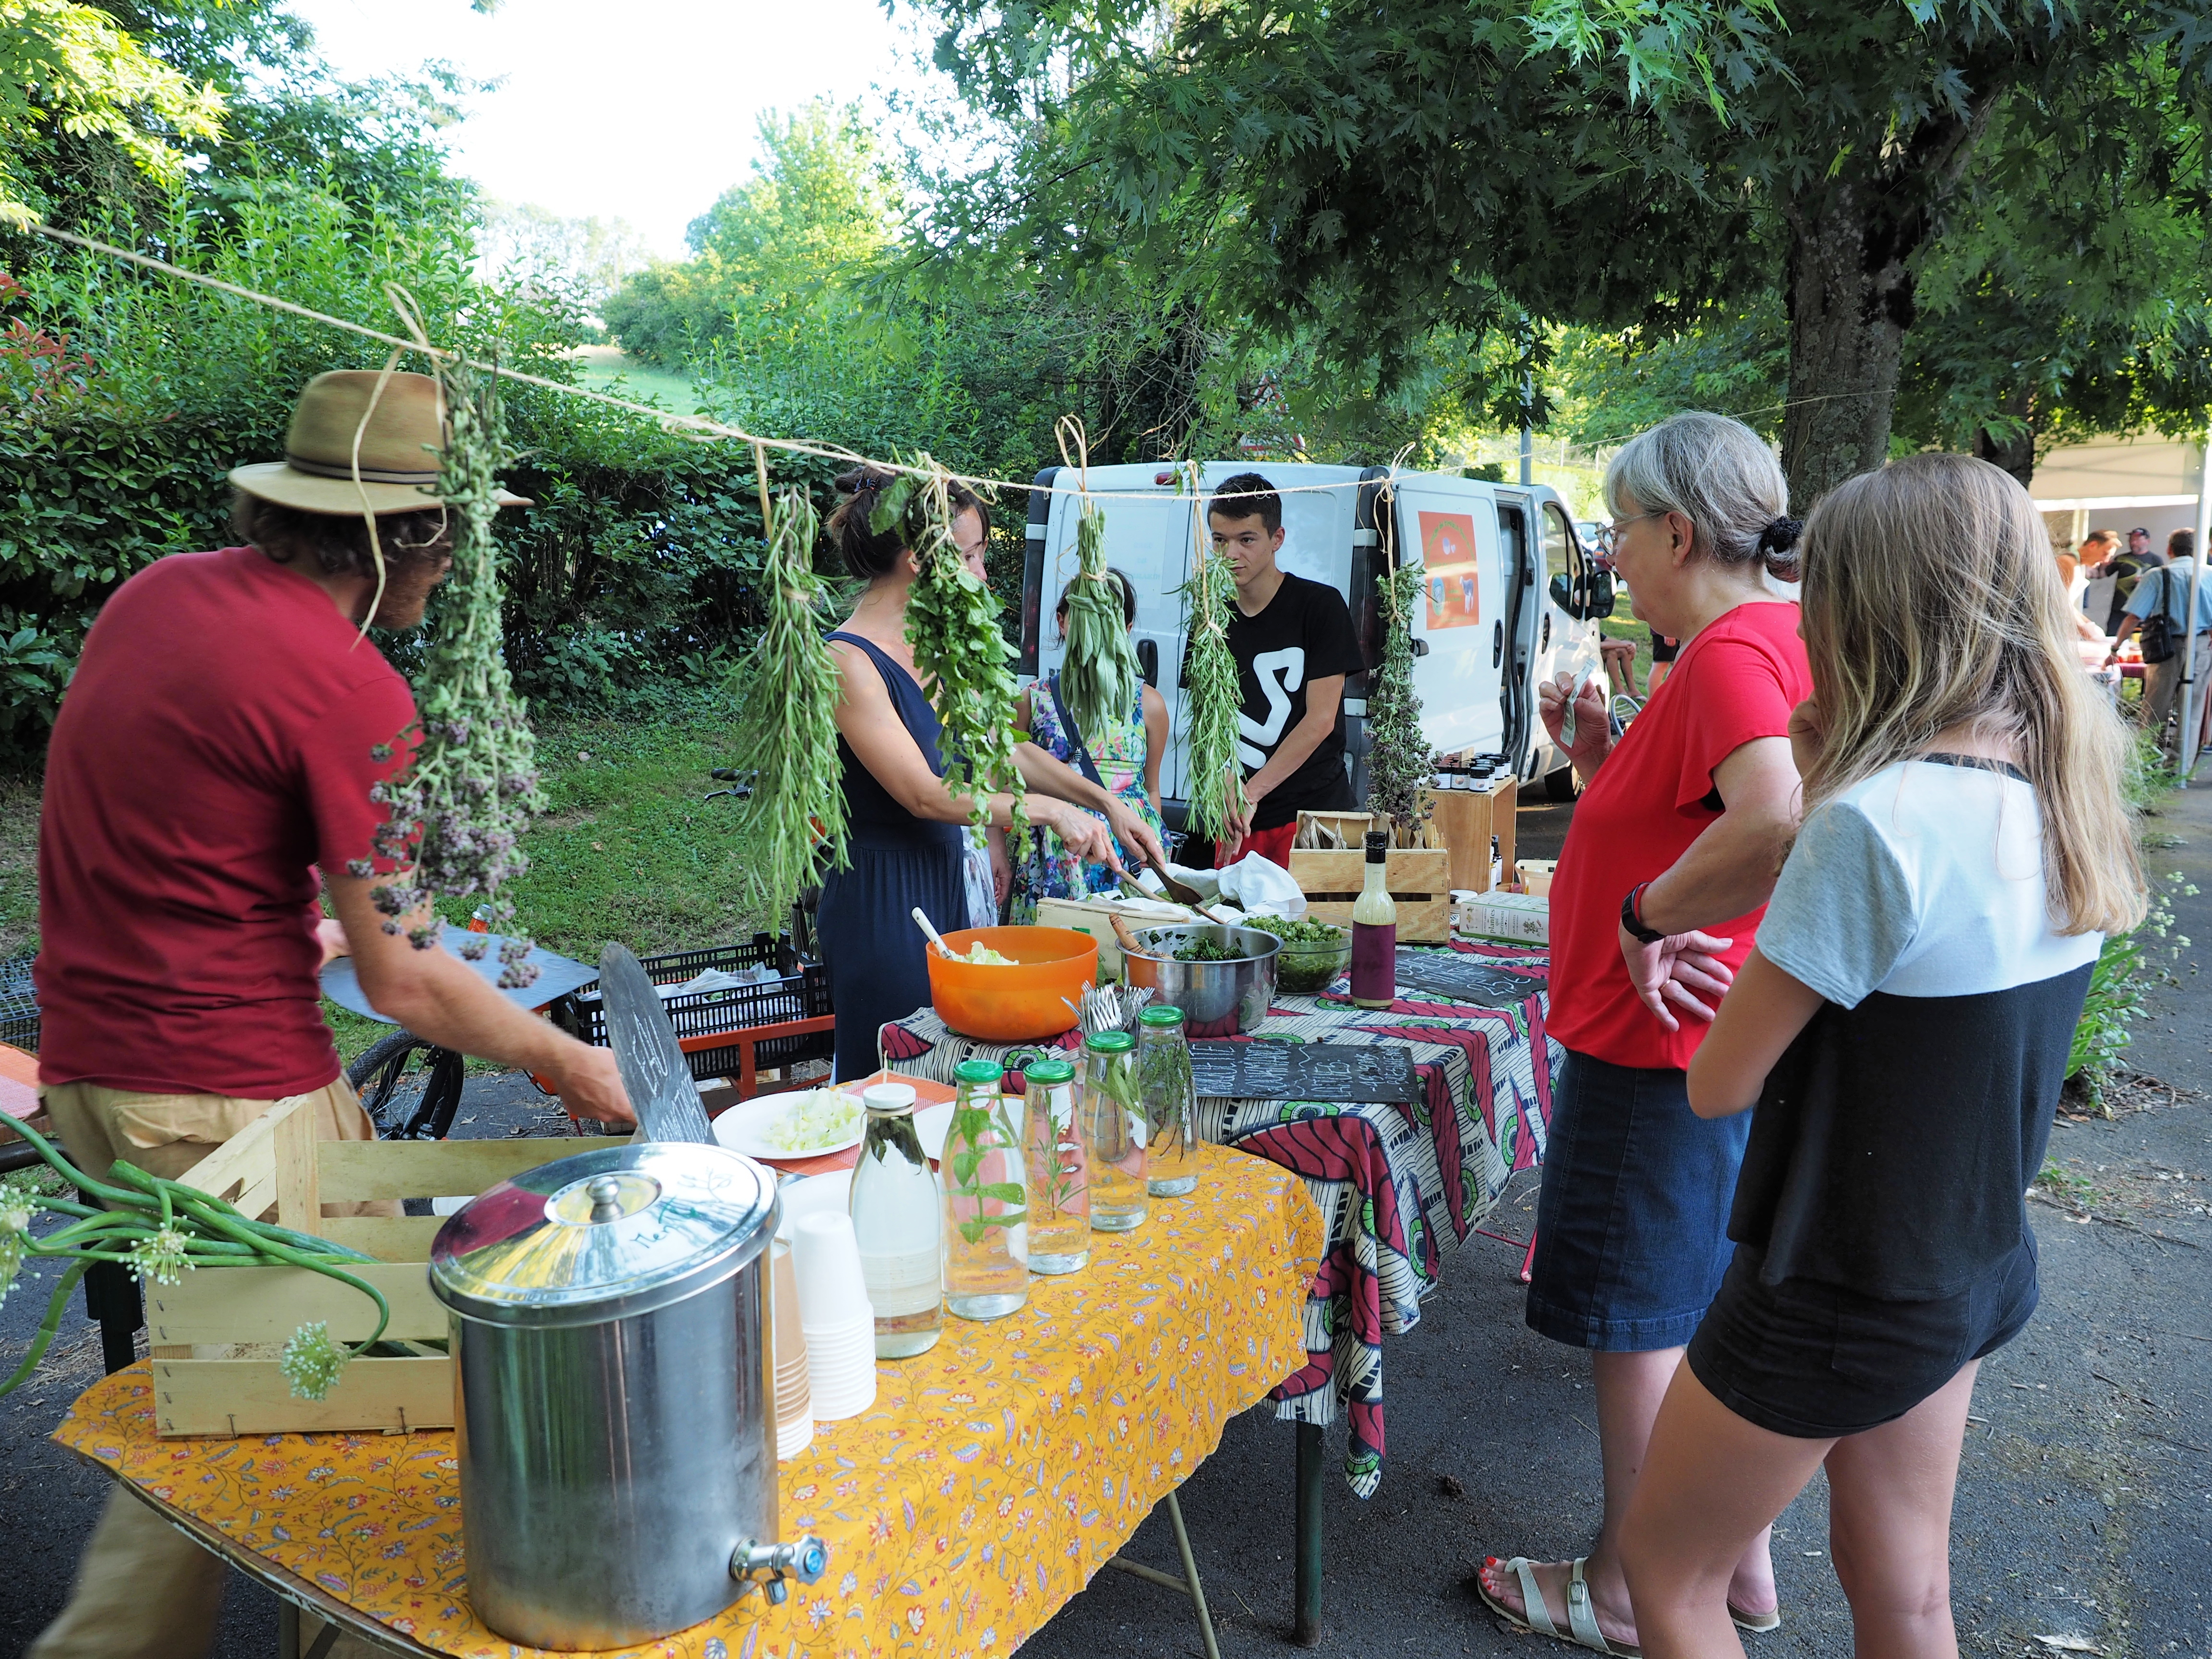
400,431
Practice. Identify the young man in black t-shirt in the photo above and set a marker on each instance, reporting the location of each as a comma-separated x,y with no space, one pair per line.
1294,645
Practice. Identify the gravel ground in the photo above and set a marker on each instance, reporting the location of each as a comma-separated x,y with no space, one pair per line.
2084,1500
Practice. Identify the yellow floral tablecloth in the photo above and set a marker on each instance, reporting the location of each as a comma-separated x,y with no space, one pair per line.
991,1478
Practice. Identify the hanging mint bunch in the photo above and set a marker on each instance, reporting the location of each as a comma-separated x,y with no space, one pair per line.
1212,694
459,808
1099,678
953,623
1399,758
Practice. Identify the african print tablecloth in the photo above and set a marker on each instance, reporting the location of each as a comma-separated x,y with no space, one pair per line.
993,1476
1397,1184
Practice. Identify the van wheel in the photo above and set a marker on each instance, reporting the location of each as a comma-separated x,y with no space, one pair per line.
1563,785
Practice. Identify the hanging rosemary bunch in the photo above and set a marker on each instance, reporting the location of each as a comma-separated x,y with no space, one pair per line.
1212,692
785,731
953,623
460,807
1399,758
1099,676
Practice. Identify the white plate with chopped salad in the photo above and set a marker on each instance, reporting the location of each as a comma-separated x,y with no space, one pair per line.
804,1123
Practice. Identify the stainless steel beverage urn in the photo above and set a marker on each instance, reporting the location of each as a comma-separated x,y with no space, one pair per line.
614,1394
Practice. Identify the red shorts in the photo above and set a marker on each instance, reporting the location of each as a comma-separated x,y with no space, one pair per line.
1273,845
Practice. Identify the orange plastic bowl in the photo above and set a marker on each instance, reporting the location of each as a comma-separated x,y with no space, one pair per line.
1037,998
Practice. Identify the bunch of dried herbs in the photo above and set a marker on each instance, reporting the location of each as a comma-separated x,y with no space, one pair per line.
1099,676
1212,694
460,807
1399,758
952,623
786,730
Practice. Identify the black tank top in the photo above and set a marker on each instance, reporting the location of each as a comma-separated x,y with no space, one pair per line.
874,819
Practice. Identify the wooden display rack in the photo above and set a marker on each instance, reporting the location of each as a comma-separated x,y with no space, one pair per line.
1418,878
1465,819
277,1162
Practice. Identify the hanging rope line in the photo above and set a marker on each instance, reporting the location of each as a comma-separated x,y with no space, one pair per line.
701,424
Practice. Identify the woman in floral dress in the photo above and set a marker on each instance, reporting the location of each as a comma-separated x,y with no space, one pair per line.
1127,755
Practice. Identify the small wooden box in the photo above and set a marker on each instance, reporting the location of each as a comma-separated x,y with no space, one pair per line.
1465,819
1419,881
278,1163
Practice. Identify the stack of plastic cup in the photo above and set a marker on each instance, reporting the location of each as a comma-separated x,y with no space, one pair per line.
794,1409
839,1325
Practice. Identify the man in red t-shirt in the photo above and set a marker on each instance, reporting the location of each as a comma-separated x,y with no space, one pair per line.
220,743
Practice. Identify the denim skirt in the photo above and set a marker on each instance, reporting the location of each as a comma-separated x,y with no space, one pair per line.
1631,1220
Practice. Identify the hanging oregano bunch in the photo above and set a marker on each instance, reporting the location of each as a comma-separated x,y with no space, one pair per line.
785,731
1399,758
1099,676
952,623
1211,692
460,807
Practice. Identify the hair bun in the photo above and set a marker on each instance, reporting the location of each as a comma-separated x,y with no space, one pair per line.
855,480
1781,535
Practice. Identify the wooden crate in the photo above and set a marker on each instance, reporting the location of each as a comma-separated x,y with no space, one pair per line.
1088,916
1350,828
1419,881
278,1163
1465,819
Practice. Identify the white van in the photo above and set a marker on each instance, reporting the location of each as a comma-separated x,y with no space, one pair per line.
1508,594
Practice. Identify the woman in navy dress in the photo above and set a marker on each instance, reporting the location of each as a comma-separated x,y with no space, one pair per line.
903,842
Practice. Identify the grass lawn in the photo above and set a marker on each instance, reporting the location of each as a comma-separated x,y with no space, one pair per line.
608,368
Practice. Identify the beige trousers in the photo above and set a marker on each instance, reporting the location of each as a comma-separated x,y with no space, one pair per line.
145,1591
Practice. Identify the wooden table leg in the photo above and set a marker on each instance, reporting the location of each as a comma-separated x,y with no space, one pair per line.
1313,1463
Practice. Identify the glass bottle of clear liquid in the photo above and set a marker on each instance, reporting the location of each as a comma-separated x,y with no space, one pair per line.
1164,1084
1113,1131
1375,931
1059,1170
895,1208
986,1253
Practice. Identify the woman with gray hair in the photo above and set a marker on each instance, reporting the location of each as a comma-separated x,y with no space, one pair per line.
1674,850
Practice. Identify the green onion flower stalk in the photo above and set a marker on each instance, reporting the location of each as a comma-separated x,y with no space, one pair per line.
953,623
460,806
1399,758
1099,676
1212,694
161,1229
786,728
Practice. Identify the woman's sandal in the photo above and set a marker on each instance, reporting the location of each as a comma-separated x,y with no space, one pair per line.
1581,1620
1755,1622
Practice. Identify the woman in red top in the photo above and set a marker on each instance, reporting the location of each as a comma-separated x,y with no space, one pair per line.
1673,849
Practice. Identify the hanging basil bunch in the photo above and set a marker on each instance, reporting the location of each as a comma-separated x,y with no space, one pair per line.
1399,758
1211,693
952,623
460,807
785,731
1099,676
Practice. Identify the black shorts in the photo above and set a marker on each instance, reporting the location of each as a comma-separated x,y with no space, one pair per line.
1817,1362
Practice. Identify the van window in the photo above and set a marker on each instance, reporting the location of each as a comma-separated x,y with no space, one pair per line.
1558,545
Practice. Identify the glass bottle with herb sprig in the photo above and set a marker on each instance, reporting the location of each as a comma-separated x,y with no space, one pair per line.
896,1210
1059,1172
1113,1131
1164,1085
987,1256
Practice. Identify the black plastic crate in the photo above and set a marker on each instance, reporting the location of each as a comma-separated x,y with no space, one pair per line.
19,1004
800,991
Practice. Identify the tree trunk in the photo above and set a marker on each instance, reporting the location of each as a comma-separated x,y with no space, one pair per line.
2015,454
1850,301
2014,450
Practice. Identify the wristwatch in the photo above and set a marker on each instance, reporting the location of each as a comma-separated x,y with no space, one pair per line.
1632,922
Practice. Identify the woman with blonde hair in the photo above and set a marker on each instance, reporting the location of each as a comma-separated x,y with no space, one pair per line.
1902,1027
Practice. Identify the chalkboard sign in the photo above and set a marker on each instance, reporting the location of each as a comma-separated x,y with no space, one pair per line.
1459,976
1342,1074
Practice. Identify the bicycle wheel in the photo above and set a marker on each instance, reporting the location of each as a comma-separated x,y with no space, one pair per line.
409,1087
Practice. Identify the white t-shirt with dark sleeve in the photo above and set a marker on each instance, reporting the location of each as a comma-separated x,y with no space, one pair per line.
1894,1138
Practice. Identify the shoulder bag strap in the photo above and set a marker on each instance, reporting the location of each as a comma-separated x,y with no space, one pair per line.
1083,764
